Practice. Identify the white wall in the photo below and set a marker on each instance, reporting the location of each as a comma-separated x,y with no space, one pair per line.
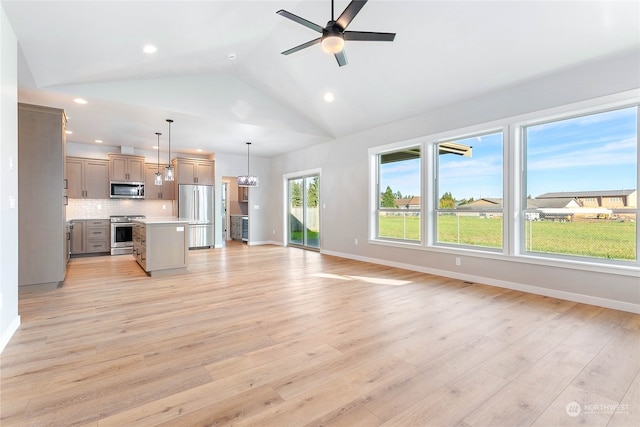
9,319
345,188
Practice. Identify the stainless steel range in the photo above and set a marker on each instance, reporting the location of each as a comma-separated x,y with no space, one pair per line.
122,233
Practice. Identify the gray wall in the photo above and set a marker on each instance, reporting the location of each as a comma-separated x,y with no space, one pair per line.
9,319
345,188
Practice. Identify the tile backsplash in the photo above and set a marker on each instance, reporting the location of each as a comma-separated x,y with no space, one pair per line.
104,208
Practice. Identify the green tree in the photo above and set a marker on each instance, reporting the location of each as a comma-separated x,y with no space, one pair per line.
447,201
388,199
296,194
398,195
312,193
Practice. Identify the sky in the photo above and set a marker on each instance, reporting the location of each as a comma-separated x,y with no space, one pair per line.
588,153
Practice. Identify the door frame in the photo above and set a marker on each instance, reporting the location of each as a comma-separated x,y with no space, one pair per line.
285,192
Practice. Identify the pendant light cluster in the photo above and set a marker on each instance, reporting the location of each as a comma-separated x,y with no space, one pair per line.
168,171
158,179
248,180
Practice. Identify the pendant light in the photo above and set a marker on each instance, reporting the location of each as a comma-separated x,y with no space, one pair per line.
158,178
168,171
248,180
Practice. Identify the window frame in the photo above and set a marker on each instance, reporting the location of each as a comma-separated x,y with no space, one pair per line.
514,189
481,131
378,191
558,117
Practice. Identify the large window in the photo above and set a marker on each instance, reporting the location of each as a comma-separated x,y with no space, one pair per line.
562,187
469,206
580,186
398,189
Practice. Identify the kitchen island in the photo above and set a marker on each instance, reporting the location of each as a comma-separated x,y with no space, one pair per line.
161,245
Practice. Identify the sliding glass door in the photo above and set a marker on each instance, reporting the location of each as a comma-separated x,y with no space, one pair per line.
304,211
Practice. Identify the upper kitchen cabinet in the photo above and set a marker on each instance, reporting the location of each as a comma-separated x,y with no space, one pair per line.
126,168
243,194
87,178
194,171
166,191
42,247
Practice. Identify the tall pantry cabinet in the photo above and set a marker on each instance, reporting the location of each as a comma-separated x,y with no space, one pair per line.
42,246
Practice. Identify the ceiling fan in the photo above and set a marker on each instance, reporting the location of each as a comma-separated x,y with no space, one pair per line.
334,34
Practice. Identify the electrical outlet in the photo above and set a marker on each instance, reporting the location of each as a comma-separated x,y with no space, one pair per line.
355,241
458,262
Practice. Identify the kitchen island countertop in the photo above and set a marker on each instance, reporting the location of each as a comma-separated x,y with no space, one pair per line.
162,220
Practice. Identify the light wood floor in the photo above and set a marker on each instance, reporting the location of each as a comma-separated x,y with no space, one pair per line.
270,336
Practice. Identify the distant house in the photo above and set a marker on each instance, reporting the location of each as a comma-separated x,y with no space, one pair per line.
408,203
490,204
555,209
608,199
557,203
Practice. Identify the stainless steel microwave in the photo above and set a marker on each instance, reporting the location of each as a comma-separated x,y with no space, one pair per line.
127,190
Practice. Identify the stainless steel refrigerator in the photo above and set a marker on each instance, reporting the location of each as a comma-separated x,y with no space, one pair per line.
195,204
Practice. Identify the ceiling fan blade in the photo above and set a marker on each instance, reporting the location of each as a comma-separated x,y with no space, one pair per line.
299,20
350,12
341,57
369,36
302,46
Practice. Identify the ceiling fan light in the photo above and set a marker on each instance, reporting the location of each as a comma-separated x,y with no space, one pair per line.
333,43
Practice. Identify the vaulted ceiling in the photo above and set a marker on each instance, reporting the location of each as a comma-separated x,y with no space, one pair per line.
444,52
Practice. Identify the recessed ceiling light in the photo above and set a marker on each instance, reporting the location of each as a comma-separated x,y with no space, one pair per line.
149,48
199,150
328,97
97,141
231,56
68,132
79,101
155,147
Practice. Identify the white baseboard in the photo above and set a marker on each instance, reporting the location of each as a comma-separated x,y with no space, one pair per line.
569,296
265,242
13,327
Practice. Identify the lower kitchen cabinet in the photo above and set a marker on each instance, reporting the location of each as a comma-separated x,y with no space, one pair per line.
78,245
90,236
161,246
239,227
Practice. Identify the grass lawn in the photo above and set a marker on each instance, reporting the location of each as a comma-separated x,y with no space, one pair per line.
598,238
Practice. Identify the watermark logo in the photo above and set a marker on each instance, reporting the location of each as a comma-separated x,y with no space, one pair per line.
573,409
